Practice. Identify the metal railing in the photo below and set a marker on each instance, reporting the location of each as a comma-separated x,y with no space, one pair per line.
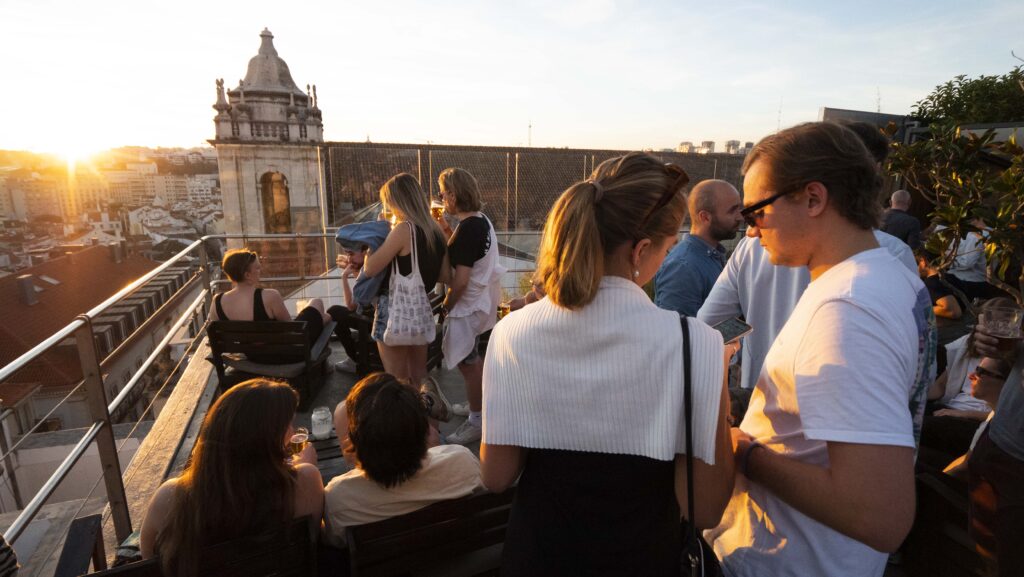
100,430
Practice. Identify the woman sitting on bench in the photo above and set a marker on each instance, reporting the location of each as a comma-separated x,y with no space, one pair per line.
246,302
382,427
239,482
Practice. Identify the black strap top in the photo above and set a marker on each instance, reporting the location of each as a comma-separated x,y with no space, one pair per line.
259,312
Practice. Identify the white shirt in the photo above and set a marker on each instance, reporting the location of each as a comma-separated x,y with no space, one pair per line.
844,368
970,264
606,378
959,366
449,472
765,295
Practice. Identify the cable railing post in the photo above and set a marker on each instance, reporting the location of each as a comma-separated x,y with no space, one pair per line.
96,399
9,466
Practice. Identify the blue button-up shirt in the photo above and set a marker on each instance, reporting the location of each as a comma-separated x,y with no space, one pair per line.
687,275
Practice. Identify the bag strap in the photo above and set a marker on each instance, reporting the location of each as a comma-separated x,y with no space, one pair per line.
688,413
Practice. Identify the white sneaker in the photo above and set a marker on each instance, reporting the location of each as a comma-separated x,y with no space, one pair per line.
345,366
466,433
460,409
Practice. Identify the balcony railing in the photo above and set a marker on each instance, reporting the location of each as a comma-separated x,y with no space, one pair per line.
304,262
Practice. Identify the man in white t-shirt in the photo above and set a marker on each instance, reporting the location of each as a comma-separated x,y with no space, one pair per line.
765,295
826,449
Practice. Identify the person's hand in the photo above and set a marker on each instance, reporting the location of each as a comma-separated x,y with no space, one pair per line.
308,455
988,345
731,349
342,259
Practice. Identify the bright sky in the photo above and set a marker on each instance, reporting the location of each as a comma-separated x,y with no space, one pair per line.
624,74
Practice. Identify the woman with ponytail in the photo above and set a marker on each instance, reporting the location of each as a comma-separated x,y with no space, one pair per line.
583,391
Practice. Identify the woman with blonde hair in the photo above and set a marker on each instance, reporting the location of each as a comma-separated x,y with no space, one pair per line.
474,293
584,390
403,197
239,481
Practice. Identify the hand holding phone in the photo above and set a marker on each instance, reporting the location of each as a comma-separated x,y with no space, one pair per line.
733,329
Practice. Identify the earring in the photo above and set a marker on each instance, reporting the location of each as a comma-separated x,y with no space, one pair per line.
636,274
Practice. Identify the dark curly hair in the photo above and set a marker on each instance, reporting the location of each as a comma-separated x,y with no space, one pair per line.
387,429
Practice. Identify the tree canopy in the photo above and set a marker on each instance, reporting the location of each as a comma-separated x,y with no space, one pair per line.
976,100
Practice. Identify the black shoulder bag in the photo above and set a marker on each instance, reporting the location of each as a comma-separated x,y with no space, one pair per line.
697,559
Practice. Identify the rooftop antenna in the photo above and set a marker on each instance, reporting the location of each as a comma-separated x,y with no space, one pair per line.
778,120
878,100
529,133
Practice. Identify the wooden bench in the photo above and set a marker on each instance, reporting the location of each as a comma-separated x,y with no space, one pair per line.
254,339
438,533
289,551
368,356
938,544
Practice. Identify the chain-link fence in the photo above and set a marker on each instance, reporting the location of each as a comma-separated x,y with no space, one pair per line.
518,185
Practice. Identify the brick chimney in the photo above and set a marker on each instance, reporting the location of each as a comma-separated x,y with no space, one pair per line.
116,253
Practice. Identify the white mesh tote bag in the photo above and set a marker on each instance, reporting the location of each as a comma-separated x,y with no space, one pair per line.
410,321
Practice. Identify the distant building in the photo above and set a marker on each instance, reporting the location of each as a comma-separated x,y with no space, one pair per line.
685,147
267,137
732,147
707,147
747,147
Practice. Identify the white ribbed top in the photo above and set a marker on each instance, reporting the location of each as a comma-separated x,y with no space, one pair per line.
606,378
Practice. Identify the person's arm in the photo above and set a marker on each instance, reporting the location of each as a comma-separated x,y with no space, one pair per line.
968,253
962,413
346,289
309,492
446,269
157,515
500,466
938,388
396,242
947,308
723,302
866,492
457,286
713,484
274,304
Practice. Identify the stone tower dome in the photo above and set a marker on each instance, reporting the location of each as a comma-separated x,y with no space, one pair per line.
267,106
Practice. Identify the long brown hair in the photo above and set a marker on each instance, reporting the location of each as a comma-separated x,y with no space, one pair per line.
627,199
238,481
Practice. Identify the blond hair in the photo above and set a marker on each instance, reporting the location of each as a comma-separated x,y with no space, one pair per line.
404,197
627,199
463,185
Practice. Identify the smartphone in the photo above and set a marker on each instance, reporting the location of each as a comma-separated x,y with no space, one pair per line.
733,329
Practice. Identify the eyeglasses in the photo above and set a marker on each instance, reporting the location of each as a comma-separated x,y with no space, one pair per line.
983,372
682,179
753,213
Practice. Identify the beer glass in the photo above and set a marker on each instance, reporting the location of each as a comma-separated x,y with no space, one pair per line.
298,441
1004,324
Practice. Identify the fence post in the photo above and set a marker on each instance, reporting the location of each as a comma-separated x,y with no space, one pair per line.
9,466
96,399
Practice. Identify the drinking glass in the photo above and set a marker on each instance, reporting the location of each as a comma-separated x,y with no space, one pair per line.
321,420
1004,324
298,441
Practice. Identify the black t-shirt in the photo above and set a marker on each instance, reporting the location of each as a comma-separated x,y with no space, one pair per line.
470,241
937,289
430,263
581,513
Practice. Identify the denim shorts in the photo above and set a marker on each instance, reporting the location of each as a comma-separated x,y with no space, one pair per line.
380,319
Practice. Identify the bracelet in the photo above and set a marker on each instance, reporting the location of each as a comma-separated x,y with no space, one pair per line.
745,457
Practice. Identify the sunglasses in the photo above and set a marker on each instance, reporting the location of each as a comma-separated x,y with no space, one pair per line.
753,214
983,372
681,180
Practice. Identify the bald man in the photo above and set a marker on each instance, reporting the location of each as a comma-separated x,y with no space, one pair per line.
897,222
690,270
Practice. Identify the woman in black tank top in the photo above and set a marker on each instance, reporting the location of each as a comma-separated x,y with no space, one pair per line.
404,198
246,302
